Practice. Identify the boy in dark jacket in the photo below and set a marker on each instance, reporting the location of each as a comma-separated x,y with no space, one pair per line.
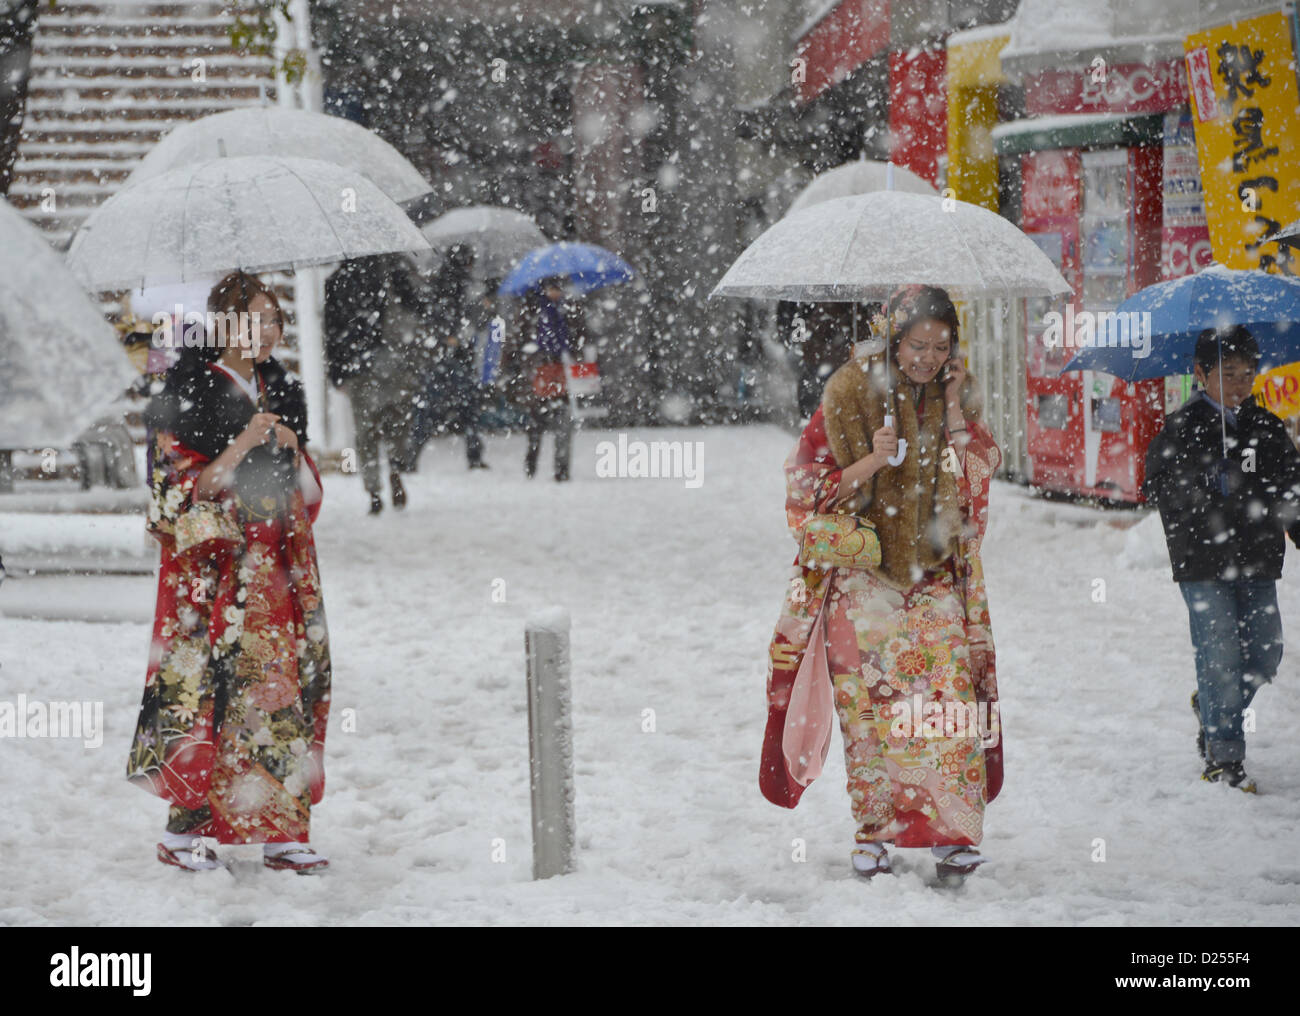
1226,480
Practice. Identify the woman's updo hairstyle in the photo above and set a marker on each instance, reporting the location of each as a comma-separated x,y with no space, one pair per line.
235,292
910,304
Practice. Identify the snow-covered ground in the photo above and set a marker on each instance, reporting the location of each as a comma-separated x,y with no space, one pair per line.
673,593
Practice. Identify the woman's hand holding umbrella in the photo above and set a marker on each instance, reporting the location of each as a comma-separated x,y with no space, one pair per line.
884,445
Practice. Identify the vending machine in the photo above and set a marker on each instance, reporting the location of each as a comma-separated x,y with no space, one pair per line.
1096,213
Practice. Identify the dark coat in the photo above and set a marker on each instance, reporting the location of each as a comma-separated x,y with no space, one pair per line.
1214,536
206,412
518,364
360,300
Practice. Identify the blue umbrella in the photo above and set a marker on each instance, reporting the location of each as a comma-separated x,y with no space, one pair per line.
585,265
1136,348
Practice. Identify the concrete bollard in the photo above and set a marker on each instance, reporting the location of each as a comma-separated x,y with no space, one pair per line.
550,742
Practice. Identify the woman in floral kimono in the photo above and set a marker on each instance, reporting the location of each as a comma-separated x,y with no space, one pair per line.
232,727
892,620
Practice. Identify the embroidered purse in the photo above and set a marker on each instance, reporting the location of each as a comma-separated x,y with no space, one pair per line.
839,541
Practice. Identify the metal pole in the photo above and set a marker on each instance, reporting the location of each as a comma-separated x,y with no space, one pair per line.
550,742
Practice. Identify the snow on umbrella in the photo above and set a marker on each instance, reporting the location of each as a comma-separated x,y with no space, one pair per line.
1287,235
498,236
60,361
298,133
587,266
865,246
255,213
860,177
1180,309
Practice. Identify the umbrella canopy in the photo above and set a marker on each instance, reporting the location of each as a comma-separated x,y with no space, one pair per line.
256,213
271,130
60,361
586,266
866,246
1217,297
860,177
1288,235
498,236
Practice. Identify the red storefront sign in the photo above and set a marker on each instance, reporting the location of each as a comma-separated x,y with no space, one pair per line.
1201,81
839,44
1099,88
918,110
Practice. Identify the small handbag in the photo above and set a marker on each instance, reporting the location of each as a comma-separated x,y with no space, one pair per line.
548,381
839,541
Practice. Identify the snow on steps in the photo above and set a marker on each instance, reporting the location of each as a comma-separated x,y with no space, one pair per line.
107,81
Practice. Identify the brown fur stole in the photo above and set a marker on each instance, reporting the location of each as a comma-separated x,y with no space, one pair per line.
914,506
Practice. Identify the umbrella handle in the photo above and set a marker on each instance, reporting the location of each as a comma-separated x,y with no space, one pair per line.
902,443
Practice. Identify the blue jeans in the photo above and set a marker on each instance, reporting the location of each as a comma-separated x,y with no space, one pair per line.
1237,635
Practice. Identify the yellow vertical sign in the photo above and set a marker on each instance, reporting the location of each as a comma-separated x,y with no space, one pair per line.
1246,112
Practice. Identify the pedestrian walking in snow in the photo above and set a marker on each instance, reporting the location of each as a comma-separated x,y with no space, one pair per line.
886,622
450,393
534,368
231,730
374,347
1225,478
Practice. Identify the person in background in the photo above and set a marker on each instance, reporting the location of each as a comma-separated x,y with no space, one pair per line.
535,374
822,335
374,354
450,392
1225,478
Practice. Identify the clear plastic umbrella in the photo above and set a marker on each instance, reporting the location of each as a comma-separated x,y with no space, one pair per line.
255,213
860,177
498,236
270,130
60,361
866,246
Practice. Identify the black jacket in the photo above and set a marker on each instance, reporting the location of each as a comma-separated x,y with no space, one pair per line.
1213,535
206,411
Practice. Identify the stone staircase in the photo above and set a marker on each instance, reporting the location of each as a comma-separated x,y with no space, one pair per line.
107,81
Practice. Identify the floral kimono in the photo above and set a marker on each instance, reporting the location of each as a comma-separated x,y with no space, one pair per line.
232,726
912,669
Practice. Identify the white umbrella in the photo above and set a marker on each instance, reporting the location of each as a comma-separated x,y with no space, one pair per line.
860,177
499,237
1287,234
270,130
60,361
866,246
255,213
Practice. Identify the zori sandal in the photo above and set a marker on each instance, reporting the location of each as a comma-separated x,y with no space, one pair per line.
956,861
870,859
189,858
297,857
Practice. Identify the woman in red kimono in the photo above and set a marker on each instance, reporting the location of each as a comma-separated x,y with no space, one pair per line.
232,727
896,642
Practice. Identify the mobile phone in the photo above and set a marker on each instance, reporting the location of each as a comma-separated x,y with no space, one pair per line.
946,372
